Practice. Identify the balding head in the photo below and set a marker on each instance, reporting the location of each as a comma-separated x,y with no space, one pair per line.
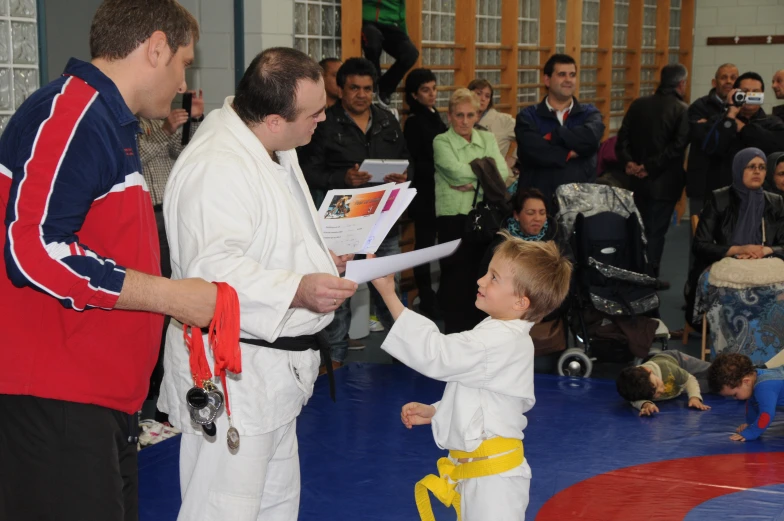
778,83
725,77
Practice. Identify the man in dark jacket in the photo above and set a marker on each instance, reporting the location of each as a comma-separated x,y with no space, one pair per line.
354,130
739,128
384,29
651,145
778,89
702,110
557,139
699,163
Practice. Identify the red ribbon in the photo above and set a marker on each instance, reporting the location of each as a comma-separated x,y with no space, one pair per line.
223,335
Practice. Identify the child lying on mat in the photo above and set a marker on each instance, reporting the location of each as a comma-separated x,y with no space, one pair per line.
664,376
734,375
490,381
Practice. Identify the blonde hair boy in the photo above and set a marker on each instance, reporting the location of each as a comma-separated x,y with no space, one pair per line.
490,380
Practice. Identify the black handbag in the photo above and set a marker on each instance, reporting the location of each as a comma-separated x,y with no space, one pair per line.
483,221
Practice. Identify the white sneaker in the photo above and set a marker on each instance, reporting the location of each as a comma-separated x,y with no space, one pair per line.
355,345
375,325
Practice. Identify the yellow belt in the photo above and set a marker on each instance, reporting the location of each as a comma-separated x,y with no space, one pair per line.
443,487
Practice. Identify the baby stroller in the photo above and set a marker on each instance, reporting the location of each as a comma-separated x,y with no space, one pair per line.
613,283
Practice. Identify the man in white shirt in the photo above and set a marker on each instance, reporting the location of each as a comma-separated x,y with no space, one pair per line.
238,210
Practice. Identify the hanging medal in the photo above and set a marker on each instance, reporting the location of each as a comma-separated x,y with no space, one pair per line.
205,400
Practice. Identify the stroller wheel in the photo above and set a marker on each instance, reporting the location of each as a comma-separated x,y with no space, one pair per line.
574,362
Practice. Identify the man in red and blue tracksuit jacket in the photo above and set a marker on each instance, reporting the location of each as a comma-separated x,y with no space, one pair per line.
77,213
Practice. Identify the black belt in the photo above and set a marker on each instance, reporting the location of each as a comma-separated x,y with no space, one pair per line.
317,342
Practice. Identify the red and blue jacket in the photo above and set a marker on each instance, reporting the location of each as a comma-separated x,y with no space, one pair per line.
77,214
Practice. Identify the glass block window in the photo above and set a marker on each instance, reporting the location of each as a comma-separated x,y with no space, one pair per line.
438,27
527,55
675,31
488,31
560,26
18,55
589,44
317,28
648,56
620,41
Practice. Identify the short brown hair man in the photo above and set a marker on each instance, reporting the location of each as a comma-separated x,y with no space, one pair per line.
80,282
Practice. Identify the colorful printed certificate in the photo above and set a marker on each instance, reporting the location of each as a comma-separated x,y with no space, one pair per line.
357,220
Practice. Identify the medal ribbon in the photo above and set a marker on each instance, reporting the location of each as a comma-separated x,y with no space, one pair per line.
223,335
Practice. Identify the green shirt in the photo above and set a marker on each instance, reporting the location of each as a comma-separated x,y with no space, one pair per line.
676,379
387,12
452,155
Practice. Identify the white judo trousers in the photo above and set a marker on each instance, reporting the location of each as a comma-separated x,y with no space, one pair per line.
503,497
260,482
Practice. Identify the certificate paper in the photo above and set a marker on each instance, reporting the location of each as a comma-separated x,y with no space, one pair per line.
368,269
358,220
348,216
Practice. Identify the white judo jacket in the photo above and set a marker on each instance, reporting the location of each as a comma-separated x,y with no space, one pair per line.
233,215
489,375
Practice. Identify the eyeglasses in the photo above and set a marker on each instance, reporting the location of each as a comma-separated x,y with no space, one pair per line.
758,168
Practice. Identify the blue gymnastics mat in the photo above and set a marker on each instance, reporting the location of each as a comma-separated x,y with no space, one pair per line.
592,457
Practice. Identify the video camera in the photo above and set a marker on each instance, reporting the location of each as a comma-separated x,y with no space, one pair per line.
741,98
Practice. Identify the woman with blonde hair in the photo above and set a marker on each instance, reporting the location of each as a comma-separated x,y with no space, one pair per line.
453,152
500,124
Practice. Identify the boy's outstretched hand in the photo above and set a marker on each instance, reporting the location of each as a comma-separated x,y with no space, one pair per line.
415,413
737,436
385,285
696,403
648,409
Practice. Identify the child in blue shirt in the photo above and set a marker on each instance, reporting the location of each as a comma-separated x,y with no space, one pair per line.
734,375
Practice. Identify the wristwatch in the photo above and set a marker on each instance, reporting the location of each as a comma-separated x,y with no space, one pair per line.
199,119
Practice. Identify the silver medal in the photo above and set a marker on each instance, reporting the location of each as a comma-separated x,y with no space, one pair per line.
233,439
205,415
215,398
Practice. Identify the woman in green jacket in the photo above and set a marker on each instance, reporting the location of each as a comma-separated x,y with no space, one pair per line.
453,152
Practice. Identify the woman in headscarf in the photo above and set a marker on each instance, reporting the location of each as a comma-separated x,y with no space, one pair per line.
741,220
741,300
774,182
423,124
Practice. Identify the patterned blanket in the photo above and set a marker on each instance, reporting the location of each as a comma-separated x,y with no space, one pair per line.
742,320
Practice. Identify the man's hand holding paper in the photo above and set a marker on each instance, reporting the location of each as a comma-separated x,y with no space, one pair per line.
356,177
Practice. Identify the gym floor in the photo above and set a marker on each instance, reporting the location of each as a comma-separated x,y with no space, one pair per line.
592,457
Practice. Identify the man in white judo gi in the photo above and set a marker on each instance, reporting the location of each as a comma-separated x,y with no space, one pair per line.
238,210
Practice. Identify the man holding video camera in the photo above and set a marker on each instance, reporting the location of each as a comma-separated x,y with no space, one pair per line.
744,124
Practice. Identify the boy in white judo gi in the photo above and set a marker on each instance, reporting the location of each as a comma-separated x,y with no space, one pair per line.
490,381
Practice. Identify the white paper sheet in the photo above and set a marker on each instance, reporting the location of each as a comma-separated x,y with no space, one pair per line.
348,216
368,269
379,168
396,204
